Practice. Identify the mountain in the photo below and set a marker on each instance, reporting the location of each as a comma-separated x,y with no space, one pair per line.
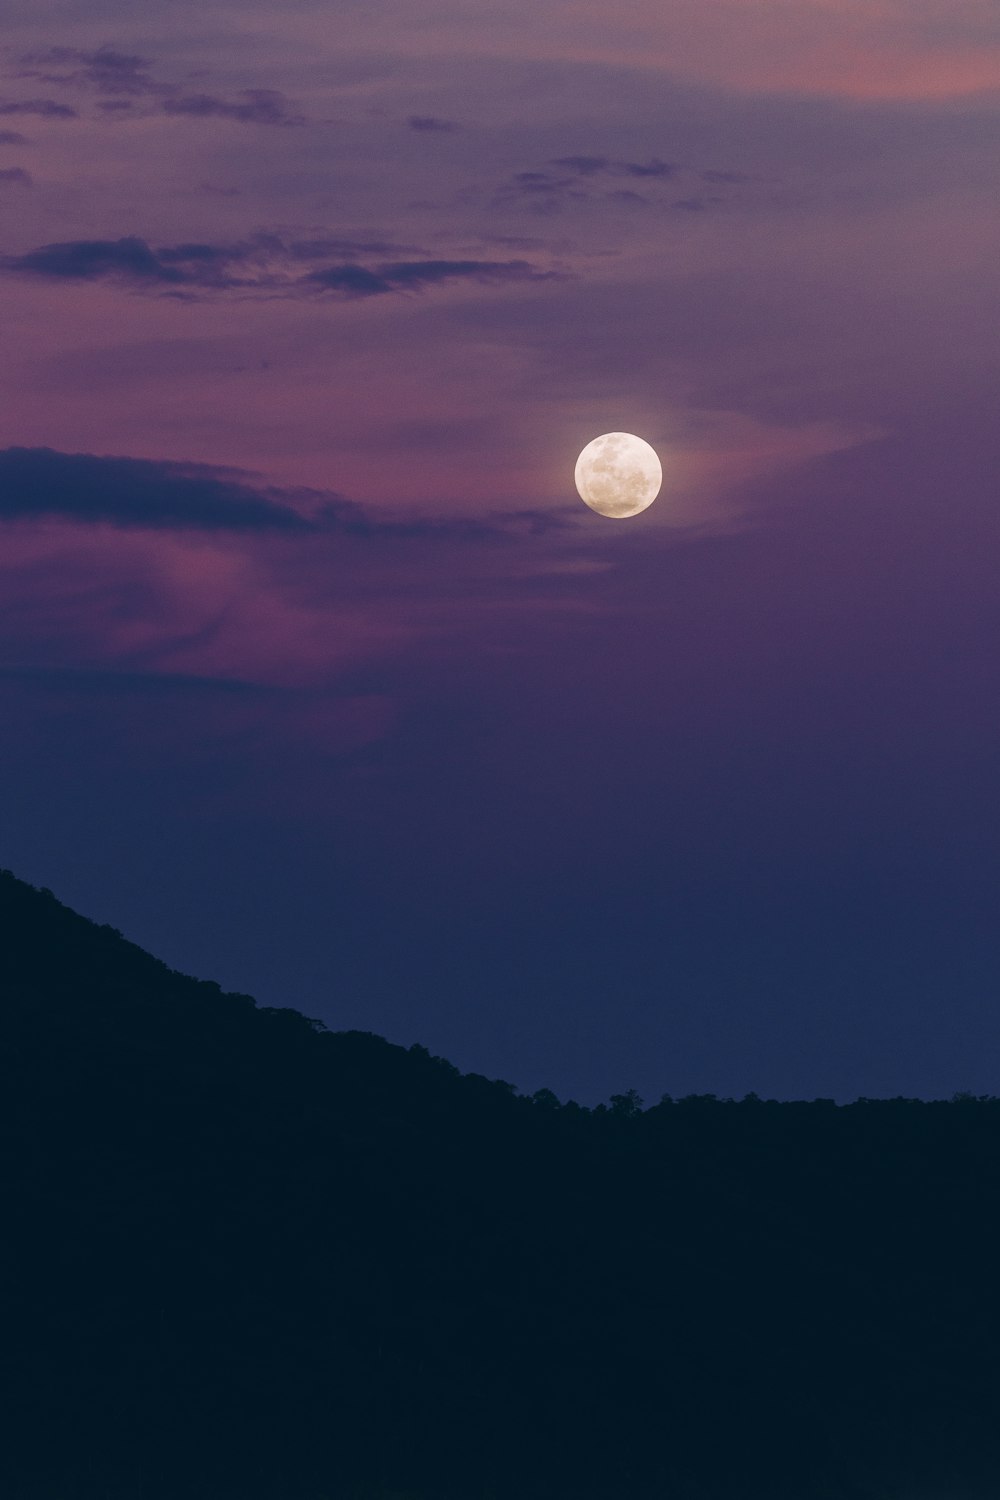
247,1258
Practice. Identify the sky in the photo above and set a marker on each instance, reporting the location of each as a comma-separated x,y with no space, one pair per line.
316,676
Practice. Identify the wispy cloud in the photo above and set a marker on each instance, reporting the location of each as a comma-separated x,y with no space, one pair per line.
252,107
129,257
359,281
581,178
331,245
590,166
124,78
430,123
16,175
46,109
264,263
106,70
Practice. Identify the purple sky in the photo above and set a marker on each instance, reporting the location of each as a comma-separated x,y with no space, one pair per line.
316,676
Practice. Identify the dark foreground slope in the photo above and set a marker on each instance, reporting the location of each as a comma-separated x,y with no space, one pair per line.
244,1257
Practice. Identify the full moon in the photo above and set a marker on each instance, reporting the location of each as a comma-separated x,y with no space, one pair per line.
618,475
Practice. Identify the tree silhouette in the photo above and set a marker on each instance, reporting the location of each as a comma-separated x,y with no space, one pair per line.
626,1106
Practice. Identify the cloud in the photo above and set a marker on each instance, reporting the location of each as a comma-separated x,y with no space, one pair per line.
94,259
430,123
12,138
429,272
132,492
546,191
352,280
649,168
16,175
265,263
320,248
539,182
135,493
589,166
259,107
626,195
114,74
196,254
585,165
359,281
541,191
46,109
584,178
134,261
107,71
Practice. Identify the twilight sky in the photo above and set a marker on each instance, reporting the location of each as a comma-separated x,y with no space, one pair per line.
316,678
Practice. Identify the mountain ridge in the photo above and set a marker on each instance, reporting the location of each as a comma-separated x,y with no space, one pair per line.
248,1256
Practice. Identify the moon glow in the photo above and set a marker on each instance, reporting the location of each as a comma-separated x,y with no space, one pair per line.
618,475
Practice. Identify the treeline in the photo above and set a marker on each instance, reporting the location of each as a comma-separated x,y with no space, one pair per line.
247,1258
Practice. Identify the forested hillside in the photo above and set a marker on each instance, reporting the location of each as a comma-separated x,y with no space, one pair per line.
246,1258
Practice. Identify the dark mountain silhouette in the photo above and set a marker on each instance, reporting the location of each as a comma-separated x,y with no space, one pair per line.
245,1258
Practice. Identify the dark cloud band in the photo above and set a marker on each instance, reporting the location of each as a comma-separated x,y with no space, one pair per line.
133,492
106,70
162,495
264,263
46,109
399,276
428,124
254,107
